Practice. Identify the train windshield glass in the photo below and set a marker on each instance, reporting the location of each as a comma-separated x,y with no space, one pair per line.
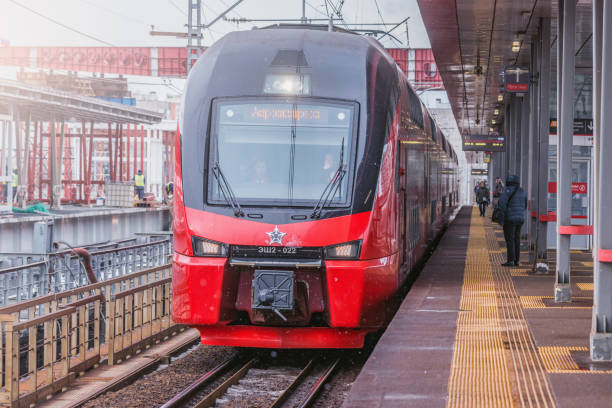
282,153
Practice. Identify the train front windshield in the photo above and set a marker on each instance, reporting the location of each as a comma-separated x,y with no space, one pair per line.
281,153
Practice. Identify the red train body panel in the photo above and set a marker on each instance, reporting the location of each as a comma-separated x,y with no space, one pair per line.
255,271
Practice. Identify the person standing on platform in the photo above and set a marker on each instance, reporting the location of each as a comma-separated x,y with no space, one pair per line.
15,183
512,205
497,190
139,184
482,198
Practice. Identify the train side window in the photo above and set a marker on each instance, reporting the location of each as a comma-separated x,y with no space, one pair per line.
398,155
432,125
426,185
433,211
416,110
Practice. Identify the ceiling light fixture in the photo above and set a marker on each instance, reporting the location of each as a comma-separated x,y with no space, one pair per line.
496,112
500,98
493,122
516,46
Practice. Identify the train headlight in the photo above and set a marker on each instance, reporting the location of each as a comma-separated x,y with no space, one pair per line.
287,84
206,247
348,250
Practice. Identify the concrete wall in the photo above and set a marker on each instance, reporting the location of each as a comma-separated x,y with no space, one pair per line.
82,226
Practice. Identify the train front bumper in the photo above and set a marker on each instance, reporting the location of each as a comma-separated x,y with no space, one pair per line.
358,297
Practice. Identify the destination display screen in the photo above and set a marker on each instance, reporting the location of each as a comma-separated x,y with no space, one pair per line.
285,114
299,115
484,143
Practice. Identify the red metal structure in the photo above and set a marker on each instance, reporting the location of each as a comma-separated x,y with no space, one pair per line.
75,143
301,209
82,173
417,64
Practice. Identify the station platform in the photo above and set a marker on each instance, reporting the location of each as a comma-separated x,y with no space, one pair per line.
473,333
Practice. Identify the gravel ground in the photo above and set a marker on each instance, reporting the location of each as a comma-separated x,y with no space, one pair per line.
156,388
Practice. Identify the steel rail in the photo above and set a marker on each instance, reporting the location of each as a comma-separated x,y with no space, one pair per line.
211,398
298,379
194,387
316,388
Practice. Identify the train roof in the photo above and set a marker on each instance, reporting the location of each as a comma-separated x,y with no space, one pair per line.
341,55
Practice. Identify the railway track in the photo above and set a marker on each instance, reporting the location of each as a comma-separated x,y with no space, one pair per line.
251,381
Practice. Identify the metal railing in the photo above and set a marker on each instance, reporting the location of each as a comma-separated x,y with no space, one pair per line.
61,271
48,340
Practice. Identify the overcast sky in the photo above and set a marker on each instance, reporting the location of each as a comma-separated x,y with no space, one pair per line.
128,22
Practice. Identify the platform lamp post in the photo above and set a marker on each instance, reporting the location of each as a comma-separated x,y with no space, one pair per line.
544,123
567,13
533,147
601,329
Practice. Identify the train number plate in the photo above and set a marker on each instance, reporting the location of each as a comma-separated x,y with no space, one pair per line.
253,251
273,290
271,250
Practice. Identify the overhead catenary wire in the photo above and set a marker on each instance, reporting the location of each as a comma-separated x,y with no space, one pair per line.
176,6
337,10
74,30
317,10
114,12
380,14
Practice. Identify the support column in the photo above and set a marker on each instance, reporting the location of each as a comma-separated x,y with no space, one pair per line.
518,110
543,132
60,162
533,144
52,172
110,153
601,331
524,156
120,140
25,170
508,138
563,290
10,165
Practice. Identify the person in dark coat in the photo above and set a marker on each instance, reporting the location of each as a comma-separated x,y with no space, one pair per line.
482,198
512,204
497,191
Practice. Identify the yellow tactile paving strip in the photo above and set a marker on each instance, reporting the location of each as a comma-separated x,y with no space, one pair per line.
531,385
559,360
585,285
537,302
479,372
533,302
495,361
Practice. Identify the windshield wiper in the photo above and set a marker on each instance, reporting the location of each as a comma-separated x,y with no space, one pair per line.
226,190
330,190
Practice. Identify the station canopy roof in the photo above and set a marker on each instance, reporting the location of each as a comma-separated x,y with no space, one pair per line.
45,104
467,34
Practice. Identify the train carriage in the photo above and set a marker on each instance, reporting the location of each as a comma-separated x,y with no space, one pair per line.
309,181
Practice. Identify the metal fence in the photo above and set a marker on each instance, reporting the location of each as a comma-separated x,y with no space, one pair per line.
57,272
47,341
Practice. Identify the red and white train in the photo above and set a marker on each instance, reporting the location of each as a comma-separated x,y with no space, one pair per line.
309,181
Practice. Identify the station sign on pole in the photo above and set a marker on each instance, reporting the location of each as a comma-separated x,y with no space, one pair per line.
516,79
